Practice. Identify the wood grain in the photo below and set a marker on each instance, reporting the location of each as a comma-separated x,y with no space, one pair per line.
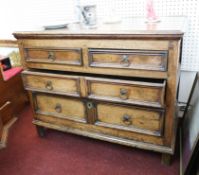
59,106
141,120
6,112
60,122
152,45
5,132
70,56
103,137
130,92
17,95
68,85
128,59
110,105
8,43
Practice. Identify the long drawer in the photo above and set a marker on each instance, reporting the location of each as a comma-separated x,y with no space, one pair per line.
105,89
130,92
107,115
128,59
130,118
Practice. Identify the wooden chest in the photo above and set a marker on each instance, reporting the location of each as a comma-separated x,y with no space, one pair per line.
114,85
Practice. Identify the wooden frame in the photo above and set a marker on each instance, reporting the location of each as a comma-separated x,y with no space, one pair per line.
190,130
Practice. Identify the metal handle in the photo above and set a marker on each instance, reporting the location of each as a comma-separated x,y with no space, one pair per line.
125,60
49,85
127,120
90,105
58,108
4,105
51,56
123,94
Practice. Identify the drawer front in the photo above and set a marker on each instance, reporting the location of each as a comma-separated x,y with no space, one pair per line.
141,120
128,59
59,106
52,83
131,92
68,56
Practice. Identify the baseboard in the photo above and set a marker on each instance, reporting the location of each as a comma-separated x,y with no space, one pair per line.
6,128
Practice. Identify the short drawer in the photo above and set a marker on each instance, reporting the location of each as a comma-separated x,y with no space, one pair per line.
68,56
51,83
130,92
128,59
59,106
130,118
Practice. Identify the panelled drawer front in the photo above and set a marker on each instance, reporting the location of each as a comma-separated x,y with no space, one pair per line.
131,92
59,106
141,120
68,56
128,59
53,83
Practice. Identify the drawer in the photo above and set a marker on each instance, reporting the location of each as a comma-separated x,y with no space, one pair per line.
130,92
51,83
130,118
68,56
128,59
59,106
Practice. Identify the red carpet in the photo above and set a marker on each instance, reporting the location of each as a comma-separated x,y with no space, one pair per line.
66,154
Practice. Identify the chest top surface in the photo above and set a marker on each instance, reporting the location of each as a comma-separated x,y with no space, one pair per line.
173,27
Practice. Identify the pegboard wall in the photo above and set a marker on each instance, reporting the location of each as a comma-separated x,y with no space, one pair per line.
45,12
188,8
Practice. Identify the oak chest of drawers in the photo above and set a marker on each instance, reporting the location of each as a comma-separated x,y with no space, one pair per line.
112,85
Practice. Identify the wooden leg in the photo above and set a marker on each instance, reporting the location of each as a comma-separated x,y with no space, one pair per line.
166,159
41,131
5,132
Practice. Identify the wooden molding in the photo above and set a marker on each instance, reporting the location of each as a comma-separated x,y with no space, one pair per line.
8,43
100,136
45,35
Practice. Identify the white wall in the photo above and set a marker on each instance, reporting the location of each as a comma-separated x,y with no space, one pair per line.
186,82
30,15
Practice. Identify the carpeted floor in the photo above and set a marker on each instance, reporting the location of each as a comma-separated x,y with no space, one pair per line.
66,154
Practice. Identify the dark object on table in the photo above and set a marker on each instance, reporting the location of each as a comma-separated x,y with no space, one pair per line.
55,26
190,132
5,62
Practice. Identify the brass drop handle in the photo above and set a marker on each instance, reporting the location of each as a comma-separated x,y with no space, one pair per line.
127,120
49,85
123,93
125,61
51,56
58,108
